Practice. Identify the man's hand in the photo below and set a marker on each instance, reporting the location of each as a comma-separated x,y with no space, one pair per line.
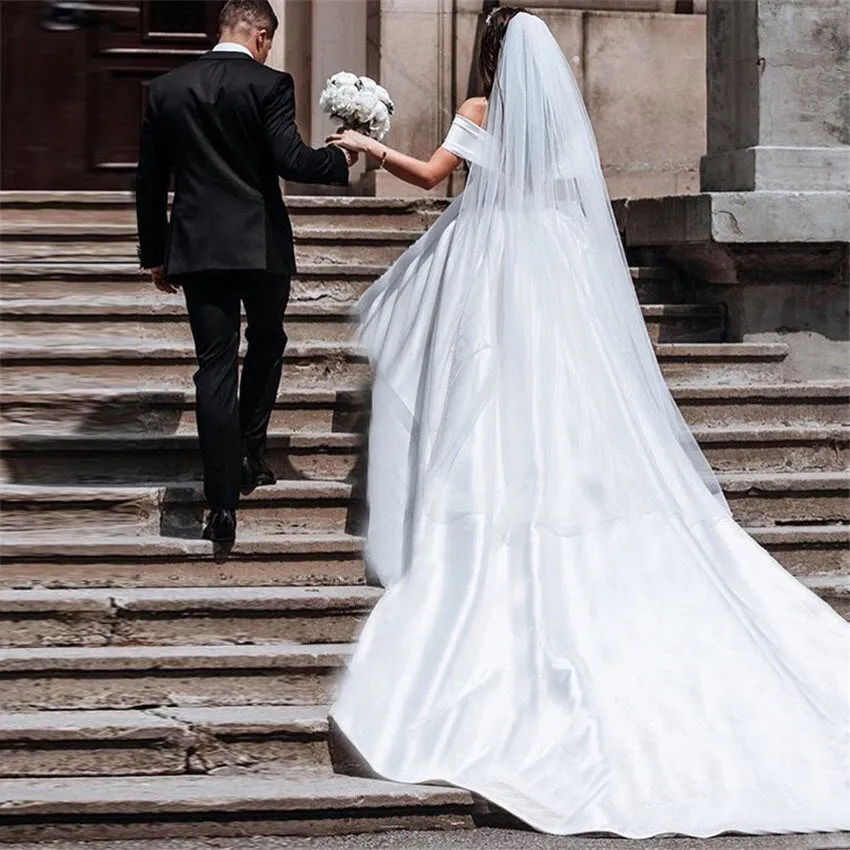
159,281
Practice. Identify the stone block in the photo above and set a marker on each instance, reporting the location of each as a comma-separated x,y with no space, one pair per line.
645,91
414,59
779,109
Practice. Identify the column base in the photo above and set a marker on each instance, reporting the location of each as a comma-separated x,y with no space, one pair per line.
779,261
773,169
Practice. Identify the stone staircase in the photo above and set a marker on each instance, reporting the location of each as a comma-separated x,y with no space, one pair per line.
150,691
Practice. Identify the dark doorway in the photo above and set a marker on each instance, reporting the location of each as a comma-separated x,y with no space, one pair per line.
74,84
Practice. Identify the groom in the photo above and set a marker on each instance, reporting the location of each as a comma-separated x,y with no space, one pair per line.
224,126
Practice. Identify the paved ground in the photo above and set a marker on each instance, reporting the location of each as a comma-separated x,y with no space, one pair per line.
479,839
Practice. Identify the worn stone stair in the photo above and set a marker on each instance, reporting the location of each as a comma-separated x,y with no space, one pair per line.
324,320
164,616
153,690
112,361
103,808
337,456
164,741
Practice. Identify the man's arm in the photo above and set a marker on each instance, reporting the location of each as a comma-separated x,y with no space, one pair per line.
152,180
294,159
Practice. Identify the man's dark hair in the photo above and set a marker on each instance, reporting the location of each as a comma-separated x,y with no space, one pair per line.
252,13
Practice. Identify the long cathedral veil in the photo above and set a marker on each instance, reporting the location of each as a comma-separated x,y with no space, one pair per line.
515,382
545,159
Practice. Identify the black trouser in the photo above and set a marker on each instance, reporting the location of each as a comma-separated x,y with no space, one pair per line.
229,427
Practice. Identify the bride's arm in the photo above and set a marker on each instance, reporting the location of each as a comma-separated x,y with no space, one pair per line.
425,174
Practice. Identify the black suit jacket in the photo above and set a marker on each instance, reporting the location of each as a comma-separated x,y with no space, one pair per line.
224,125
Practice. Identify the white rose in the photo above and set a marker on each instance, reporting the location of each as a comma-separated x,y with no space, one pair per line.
365,107
343,78
383,95
368,84
379,124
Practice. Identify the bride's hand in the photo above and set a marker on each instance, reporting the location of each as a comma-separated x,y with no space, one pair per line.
350,140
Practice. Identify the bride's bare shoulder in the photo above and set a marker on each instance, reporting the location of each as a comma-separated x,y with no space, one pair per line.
474,109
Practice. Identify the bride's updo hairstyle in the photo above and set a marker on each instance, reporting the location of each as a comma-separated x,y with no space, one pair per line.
491,44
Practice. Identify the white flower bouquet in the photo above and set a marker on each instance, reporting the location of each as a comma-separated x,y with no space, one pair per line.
359,103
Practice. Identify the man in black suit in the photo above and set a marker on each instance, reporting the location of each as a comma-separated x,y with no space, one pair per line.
224,126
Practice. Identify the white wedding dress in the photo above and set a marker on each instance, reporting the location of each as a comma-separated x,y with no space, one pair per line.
574,627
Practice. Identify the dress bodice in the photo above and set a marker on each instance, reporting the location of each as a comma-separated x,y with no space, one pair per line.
467,140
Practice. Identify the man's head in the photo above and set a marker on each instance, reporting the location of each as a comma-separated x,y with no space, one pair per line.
249,22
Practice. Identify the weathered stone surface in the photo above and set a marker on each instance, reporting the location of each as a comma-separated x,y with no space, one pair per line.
72,678
825,403
808,550
130,410
338,211
309,507
778,113
71,743
76,559
762,499
106,363
321,320
646,71
134,458
737,217
170,616
71,243
164,741
136,807
109,362
786,449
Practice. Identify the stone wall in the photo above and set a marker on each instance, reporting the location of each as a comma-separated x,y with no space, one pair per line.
641,67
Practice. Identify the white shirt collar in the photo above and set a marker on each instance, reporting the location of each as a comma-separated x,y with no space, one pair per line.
232,46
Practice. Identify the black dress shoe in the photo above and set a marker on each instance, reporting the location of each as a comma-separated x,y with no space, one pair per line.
221,527
256,473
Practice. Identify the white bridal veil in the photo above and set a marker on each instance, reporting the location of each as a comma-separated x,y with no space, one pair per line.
512,330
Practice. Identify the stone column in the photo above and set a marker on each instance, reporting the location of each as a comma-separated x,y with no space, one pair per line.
778,94
414,60
769,234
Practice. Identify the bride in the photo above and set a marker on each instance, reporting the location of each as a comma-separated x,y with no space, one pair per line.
573,627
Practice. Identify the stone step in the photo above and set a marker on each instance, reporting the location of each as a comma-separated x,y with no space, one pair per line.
102,363
157,616
313,281
164,741
85,560
163,319
177,510
333,507
136,459
113,677
21,209
103,808
37,242
57,281
822,403
788,498
130,410
795,448
215,616
109,362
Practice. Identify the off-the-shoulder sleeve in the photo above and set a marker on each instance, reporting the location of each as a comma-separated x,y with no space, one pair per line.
467,140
